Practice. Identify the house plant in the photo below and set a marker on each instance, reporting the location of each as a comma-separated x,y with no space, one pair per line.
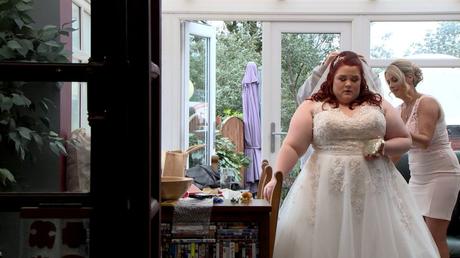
228,157
25,123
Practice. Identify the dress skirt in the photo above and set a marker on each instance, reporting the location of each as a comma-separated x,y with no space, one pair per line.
343,206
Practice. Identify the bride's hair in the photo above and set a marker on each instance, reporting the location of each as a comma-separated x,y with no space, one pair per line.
326,94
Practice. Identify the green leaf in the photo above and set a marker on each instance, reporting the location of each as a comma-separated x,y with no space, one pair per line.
6,177
37,139
24,132
50,28
42,48
19,22
6,52
54,148
13,44
52,43
27,19
53,134
23,6
14,136
61,148
5,103
4,1
20,100
27,44
49,32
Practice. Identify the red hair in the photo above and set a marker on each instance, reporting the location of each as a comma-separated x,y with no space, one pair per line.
326,94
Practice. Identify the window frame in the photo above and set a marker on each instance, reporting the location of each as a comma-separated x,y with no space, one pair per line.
81,55
174,13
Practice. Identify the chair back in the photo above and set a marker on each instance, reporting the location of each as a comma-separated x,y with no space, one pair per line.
265,177
275,200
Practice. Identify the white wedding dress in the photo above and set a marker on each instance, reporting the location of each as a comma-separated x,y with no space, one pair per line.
343,206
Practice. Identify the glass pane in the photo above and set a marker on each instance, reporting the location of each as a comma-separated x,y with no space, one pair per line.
415,39
440,83
76,25
198,99
300,53
39,152
42,31
87,31
29,233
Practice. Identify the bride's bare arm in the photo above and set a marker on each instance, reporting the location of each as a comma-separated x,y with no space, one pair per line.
297,139
397,137
295,144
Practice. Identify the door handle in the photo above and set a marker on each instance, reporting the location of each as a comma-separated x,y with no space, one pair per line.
273,133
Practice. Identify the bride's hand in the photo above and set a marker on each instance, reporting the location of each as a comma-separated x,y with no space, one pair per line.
268,189
374,149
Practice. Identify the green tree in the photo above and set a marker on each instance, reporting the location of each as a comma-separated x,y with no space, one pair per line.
445,39
380,51
237,44
198,62
300,54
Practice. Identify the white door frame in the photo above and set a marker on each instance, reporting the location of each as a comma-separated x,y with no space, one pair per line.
208,32
271,74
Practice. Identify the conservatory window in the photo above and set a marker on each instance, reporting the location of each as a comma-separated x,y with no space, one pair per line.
433,45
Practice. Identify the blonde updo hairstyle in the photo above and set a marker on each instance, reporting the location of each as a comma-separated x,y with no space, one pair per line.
402,68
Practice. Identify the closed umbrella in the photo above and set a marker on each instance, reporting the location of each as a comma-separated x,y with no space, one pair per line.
251,120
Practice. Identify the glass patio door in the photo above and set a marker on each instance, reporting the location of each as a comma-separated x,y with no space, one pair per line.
290,51
199,87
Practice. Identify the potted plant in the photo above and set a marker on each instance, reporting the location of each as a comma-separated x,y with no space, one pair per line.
25,124
228,157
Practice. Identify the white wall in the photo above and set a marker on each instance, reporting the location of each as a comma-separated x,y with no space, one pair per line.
355,11
263,7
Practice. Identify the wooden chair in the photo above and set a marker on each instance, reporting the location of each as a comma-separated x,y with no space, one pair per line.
275,200
265,177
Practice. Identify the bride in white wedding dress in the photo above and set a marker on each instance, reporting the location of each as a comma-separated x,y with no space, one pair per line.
349,201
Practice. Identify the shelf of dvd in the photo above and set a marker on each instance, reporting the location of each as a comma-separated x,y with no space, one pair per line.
234,231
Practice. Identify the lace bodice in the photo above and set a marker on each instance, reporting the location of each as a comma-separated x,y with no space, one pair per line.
334,130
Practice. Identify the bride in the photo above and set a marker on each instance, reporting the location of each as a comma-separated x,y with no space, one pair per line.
349,201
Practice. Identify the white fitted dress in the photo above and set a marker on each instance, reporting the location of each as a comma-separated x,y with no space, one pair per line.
435,171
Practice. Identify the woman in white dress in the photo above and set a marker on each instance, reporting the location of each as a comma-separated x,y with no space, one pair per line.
435,171
349,201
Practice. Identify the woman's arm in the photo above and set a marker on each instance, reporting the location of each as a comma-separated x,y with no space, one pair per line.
428,114
307,87
397,137
295,144
297,139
